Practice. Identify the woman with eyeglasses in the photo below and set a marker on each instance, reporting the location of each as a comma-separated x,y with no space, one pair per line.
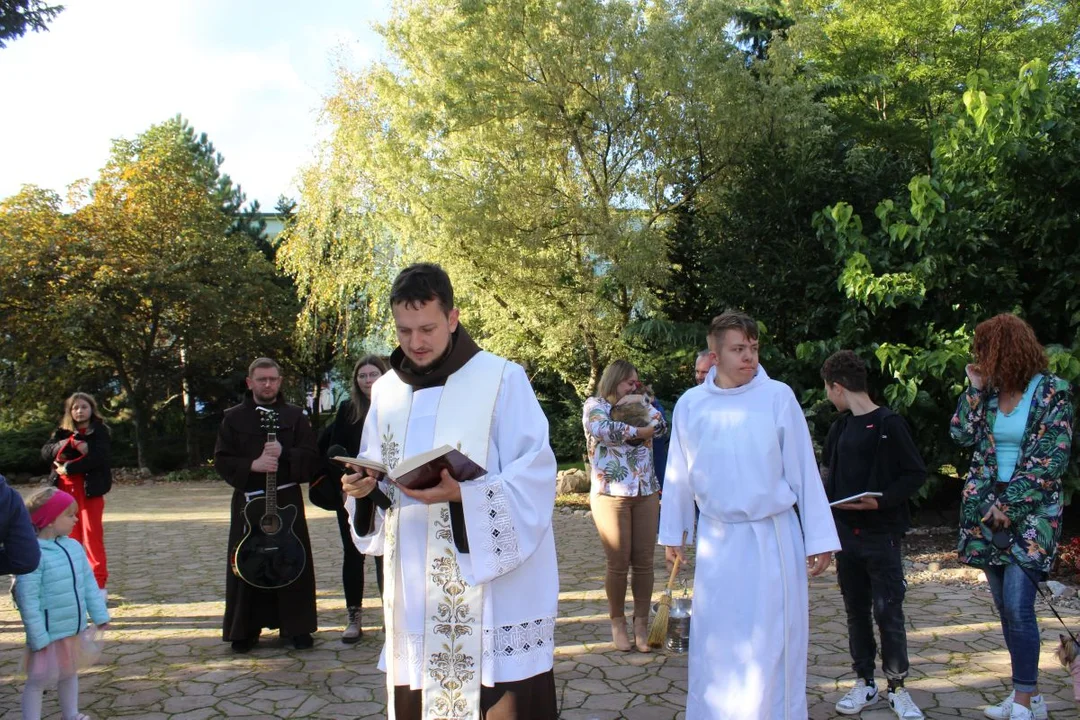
1018,419
346,430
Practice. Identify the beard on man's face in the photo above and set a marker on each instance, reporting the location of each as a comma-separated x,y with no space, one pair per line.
429,358
265,395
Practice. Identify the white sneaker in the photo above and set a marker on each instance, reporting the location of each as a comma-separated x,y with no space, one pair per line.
857,698
1019,712
1003,710
904,707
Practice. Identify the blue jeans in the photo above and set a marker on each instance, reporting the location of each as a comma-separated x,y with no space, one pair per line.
1014,592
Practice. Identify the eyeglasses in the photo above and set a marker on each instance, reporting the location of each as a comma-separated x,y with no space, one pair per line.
368,376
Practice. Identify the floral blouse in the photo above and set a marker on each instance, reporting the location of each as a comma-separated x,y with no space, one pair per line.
617,467
1032,500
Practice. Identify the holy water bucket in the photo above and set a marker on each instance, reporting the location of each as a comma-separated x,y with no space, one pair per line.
678,632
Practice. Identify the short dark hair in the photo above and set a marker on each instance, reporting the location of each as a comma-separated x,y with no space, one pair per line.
732,320
421,283
847,369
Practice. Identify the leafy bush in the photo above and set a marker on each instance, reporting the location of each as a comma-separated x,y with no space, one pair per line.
200,474
565,430
20,450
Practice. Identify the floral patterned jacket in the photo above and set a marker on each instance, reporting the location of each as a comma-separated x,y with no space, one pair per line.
1033,499
617,467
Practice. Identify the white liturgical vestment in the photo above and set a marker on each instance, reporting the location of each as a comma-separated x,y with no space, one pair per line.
745,456
489,410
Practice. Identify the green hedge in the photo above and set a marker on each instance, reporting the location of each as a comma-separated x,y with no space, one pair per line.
20,450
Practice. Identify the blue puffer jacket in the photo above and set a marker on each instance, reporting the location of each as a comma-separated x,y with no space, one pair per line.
55,599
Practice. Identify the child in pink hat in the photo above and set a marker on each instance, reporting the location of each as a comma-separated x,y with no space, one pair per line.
54,602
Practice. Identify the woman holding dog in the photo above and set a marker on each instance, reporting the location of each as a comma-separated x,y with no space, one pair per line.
620,424
1018,419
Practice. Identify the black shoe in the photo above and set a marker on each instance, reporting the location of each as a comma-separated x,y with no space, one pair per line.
245,645
303,642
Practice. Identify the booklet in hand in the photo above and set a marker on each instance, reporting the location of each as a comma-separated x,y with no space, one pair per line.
853,498
422,471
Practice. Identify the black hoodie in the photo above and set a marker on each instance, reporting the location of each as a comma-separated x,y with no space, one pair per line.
873,453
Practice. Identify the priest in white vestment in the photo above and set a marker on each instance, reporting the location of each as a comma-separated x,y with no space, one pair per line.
741,449
471,581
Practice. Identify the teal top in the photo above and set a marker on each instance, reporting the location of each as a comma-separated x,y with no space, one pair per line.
1009,432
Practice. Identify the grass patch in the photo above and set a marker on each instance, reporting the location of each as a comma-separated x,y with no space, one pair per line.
571,465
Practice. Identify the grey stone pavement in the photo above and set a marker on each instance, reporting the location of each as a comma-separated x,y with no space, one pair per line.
165,659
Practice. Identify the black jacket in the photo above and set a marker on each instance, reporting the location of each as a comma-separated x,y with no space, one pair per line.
19,549
96,467
325,491
897,471
345,432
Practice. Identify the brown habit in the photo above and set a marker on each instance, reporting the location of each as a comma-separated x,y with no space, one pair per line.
240,441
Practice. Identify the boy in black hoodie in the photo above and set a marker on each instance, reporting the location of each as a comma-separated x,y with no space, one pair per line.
870,449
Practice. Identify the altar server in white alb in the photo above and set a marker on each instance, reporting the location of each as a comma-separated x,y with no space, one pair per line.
472,584
740,447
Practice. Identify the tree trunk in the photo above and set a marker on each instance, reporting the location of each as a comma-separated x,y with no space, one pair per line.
142,415
142,431
191,436
316,398
595,368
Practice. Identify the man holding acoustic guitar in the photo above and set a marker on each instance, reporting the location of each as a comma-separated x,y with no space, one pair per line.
265,450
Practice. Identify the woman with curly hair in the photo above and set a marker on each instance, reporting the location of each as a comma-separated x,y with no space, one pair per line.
625,497
1018,418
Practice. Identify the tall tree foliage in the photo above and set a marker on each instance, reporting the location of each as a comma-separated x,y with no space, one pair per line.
535,148
143,280
321,335
993,228
890,68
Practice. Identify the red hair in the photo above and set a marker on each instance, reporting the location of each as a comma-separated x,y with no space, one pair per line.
1007,353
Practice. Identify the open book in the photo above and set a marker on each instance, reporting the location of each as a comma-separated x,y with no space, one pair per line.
853,498
422,471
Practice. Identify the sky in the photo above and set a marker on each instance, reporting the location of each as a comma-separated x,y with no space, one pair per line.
251,74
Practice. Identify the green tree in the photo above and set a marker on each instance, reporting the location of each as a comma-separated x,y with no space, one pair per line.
993,228
534,148
19,16
746,240
322,334
890,68
143,281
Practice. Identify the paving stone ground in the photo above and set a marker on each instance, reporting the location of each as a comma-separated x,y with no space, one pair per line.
165,659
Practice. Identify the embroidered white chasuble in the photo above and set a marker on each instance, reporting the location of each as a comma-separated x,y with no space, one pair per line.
455,621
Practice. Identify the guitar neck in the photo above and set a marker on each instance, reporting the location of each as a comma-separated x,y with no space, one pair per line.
271,483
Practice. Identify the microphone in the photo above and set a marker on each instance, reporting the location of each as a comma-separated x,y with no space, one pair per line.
377,496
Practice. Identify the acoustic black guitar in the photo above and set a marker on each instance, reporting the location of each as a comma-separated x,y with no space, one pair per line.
269,556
